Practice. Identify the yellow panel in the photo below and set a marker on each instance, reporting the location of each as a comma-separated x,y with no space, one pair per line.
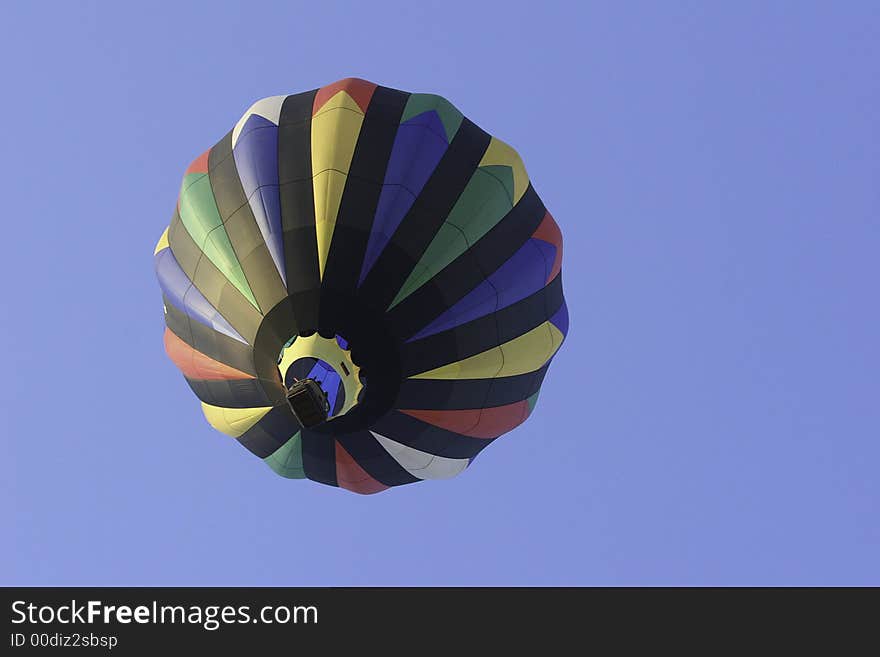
484,365
521,355
233,421
531,351
335,131
328,186
163,242
500,153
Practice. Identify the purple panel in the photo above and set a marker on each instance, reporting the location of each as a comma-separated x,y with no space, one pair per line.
430,120
560,319
418,147
256,159
181,292
524,273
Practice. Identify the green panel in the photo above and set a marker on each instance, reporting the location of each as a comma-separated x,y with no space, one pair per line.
198,211
446,245
287,460
531,401
199,214
421,103
484,202
504,175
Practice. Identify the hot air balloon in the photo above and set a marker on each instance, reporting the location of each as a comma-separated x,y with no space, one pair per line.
361,286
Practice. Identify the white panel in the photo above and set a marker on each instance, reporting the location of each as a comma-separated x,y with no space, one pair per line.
421,464
269,108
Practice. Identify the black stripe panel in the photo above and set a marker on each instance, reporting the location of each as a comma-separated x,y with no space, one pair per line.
234,393
357,208
482,333
273,430
441,394
241,226
298,208
211,282
373,458
412,432
319,457
277,328
212,343
470,269
426,215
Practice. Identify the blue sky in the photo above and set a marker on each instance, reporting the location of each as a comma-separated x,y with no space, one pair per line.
713,417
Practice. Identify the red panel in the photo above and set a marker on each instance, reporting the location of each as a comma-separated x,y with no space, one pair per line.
200,164
196,365
477,423
353,477
360,91
549,232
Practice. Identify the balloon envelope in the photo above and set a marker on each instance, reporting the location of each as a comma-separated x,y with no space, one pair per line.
381,244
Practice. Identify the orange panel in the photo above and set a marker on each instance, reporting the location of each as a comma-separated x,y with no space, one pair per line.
196,365
549,232
351,476
200,164
360,91
476,423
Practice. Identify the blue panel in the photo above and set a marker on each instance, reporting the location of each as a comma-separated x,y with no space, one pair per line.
560,319
522,275
256,159
418,147
186,297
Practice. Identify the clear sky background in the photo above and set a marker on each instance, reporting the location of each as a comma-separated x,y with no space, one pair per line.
712,418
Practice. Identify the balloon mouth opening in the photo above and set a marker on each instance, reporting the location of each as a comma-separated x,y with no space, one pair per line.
321,375
359,338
